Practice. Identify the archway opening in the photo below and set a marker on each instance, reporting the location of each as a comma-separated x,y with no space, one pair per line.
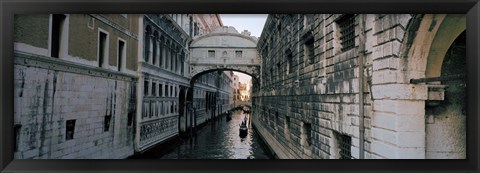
446,118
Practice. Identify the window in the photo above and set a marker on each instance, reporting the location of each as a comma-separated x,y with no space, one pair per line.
154,89
172,59
155,48
309,51
307,134
238,53
191,26
161,53
277,118
70,129
102,49
145,88
121,54
106,123
182,64
166,91
130,119
211,54
16,133
195,29
287,122
58,25
344,145
177,62
289,62
161,90
148,43
347,31
171,89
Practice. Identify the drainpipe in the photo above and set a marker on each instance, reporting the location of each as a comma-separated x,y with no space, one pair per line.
361,57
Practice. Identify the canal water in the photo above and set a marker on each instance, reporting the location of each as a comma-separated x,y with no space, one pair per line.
220,140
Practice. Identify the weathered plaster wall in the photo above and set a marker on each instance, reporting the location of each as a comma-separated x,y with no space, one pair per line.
46,97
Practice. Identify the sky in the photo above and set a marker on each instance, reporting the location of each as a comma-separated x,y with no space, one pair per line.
252,22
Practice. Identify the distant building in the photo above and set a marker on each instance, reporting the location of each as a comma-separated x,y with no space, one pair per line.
236,90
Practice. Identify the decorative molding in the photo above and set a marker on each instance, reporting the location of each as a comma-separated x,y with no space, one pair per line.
114,25
156,131
31,60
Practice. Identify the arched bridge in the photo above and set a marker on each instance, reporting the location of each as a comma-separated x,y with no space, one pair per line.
225,49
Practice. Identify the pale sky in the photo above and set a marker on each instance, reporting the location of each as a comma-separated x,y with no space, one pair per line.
252,22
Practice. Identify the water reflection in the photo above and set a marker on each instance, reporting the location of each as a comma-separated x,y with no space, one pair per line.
221,140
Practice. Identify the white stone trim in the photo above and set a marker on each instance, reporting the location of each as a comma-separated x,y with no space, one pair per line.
31,49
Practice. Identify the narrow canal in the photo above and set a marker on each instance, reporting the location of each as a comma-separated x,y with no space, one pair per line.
217,140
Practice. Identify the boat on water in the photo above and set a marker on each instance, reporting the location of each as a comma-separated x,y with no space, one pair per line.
243,131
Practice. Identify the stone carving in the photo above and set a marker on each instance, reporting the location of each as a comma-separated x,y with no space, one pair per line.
157,130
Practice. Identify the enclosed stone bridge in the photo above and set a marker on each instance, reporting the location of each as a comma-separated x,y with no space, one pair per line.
225,49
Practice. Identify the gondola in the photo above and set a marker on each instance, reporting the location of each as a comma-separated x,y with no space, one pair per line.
243,131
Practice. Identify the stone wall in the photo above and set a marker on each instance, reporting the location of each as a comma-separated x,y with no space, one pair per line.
66,106
309,96
50,92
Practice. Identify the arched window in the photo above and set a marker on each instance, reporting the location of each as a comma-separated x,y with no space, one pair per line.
155,48
148,41
161,51
172,57
167,54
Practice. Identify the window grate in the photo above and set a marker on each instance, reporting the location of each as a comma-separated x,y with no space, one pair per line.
347,31
345,145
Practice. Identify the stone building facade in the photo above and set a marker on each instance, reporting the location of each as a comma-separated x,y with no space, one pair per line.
75,85
169,103
92,86
341,86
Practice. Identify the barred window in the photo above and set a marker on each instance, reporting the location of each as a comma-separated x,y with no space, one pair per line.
347,31
345,145
238,53
211,54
